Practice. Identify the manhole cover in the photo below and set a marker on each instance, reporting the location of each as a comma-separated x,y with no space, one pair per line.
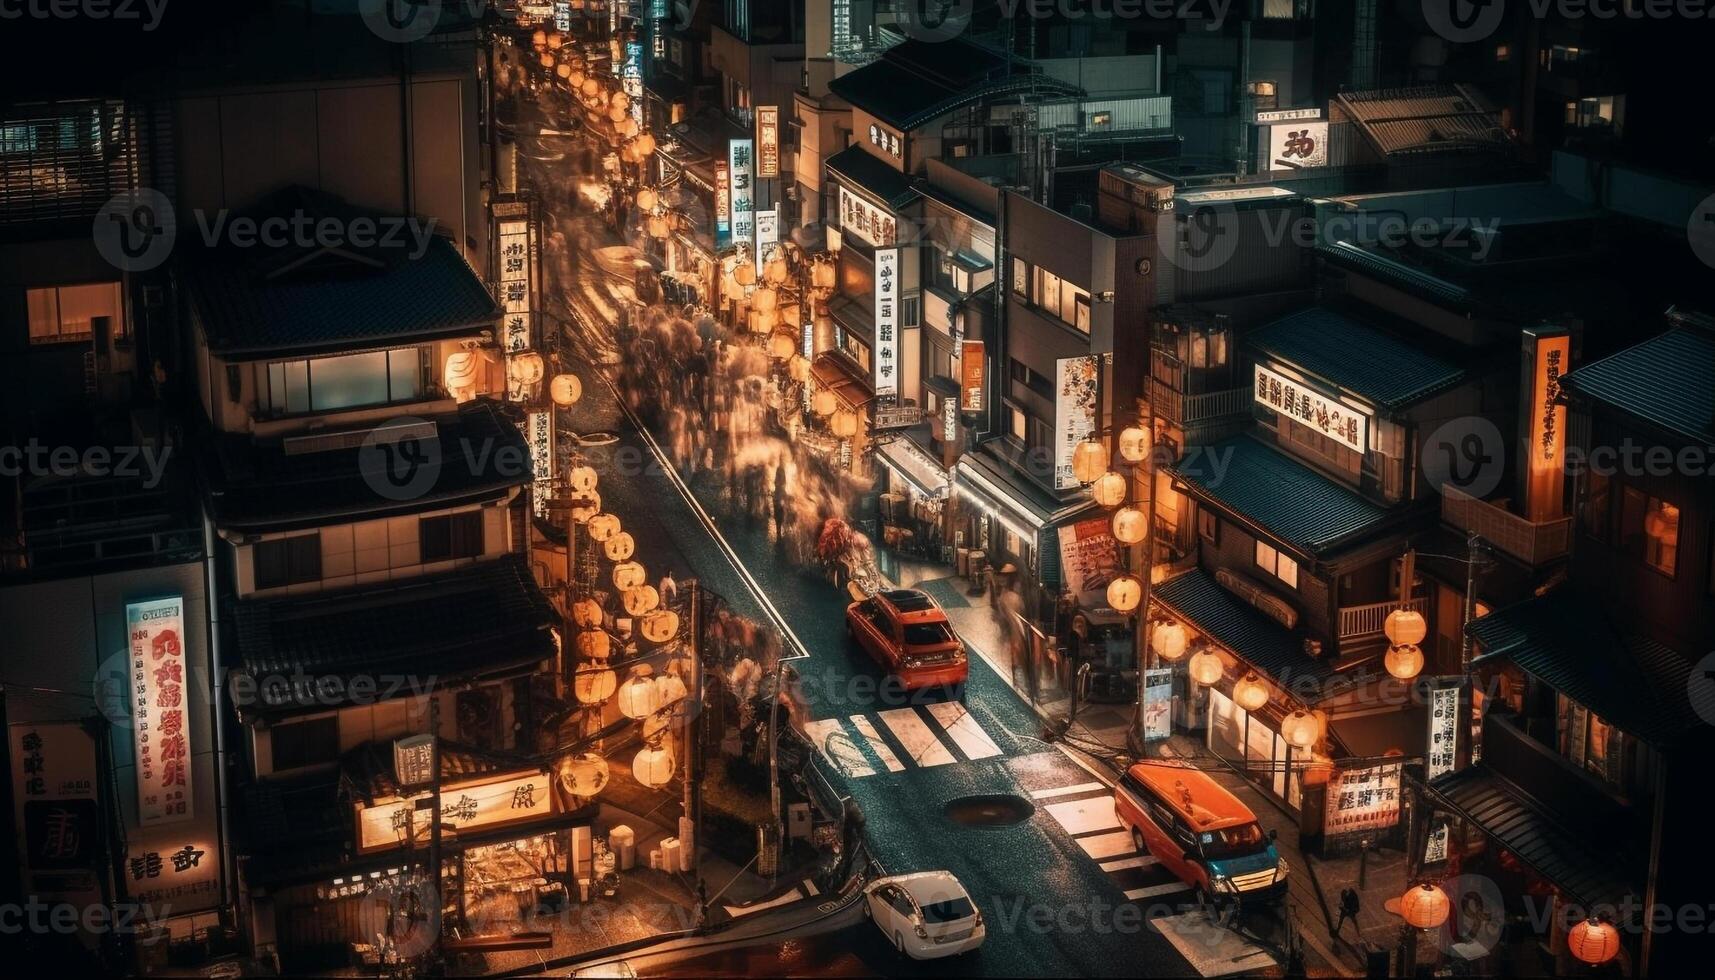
995,810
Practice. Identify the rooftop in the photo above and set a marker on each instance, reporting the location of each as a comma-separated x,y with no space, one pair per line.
860,167
918,80
1667,381
1359,358
1425,119
1240,627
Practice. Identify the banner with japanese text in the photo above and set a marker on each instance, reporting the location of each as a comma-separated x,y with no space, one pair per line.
160,724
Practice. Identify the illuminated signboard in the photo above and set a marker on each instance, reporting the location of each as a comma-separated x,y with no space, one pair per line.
723,206
539,433
1443,751
1339,422
1547,354
466,806
768,141
160,709
1292,146
767,234
1363,799
515,284
971,376
886,322
863,219
1074,413
740,173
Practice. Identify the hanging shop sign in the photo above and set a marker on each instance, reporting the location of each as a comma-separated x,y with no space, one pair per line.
1158,704
767,234
515,254
896,417
467,806
414,760
971,376
723,207
1547,353
1288,115
887,323
1089,560
1443,732
1435,850
768,141
178,868
741,181
1074,413
1363,799
631,79
1296,145
539,433
563,16
1340,422
160,718
872,224
53,795
949,419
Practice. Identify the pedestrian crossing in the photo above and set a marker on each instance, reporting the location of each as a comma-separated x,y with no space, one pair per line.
898,739
1085,811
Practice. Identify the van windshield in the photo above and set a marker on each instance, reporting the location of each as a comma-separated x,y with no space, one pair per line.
1233,842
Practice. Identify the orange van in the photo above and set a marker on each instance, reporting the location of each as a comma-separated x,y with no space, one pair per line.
1200,832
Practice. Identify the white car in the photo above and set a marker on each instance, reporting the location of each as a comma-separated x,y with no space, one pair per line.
925,915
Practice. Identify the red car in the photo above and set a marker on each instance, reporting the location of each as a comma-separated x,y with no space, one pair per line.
905,632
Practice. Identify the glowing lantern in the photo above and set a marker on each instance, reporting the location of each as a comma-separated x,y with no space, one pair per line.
628,575
657,226
1593,941
563,70
461,372
565,390
640,599
647,199
594,644
591,86
628,128
619,547
798,368
547,60
823,275
1124,593
660,626
1205,668
774,270
1405,627
1300,729
1170,641
595,683
603,526
539,39
764,299
1109,489
1424,907
1134,443
586,507
526,369
653,766
586,613
782,345
577,79
1404,660
744,274
844,423
620,99
1250,693
582,775
1129,525
645,146
1089,461
637,694
823,403
555,42
582,479
670,688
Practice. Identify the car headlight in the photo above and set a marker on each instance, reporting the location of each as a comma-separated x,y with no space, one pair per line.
922,933
1281,868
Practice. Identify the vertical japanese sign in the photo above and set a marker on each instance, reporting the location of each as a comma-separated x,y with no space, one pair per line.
1158,704
160,722
632,78
53,790
515,285
740,177
768,141
1546,356
539,433
1074,413
971,376
1443,732
949,419
723,206
1363,799
563,16
886,359
767,234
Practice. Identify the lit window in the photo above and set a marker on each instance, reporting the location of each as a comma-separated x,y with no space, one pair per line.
1021,277
1016,424
1589,741
1273,562
1649,529
326,384
62,314
1503,52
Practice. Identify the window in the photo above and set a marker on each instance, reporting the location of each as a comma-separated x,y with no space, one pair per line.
325,384
295,744
1273,562
1061,299
1033,380
1016,426
1589,741
450,536
287,561
1014,546
910,311
66,314
1021,277
1209,526
1598,501
1649,529
854,348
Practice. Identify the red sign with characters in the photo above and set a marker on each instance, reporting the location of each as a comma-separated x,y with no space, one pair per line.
159,710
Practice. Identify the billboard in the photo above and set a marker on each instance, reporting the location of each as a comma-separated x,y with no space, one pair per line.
971,366
160,721
1089,560
1295,145
886,359
741,172
1338,421
1075,390
768,141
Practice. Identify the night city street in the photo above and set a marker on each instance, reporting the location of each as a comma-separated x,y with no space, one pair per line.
777,488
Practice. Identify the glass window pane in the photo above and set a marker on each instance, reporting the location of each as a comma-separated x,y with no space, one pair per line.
348,381
277,387
44,314
405,378
297,386
1661,536
1287,570
80,305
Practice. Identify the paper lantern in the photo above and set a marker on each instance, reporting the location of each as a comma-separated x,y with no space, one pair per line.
603,526
646,199
1124,593
670,689
595,683
582,775
1109,490
586,507
661,625
563,70
616,115
591,86
539,39
822,276
782,346
628,575
1424,907
576,80
640,599
774,270
582,479
594,644
565,390
653,766
1300,729
555,42
1089,461
547,60
637,695
1205,668
1405,627
743,273
798,368
461,370
1250,693
525,369
764,300
1170,641
619,99
619,547
1134,443
1130,526
586,614
823,403
1593,941
645,146
1404,660
844,423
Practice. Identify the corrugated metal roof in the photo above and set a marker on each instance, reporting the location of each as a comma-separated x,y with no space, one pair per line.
1668,381
1353,256
1634,683
1357,357
1243,629
1425,119
1290,501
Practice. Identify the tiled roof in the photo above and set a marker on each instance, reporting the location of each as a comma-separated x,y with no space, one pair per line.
1350,255
1356,356
917,80
1285,498
1425,119
1240,627
1634,683
860,167
1668,380
259,488
306,653
261,302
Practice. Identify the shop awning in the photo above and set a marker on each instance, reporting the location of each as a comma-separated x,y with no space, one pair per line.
989,483
914,466
834,373
1250,635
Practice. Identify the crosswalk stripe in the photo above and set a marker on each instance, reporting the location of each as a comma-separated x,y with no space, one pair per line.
829,736
1107,845
967,734
1084,816
920,743
1048,794
1122,864
866,728
1153,890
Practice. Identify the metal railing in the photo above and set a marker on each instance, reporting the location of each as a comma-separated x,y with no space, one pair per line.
1181,409
1529,541
1359,622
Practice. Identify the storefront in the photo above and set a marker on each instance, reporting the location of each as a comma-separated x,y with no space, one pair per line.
915,506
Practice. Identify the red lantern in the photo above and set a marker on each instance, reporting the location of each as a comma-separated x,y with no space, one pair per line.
1424,907
1593,941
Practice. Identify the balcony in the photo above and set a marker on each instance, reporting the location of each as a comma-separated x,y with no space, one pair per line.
1365,622
1178,408
1530,542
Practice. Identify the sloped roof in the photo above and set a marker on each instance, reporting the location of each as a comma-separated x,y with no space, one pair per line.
917,80
858,166
1240,627
1356,356
1425,119
1668,380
